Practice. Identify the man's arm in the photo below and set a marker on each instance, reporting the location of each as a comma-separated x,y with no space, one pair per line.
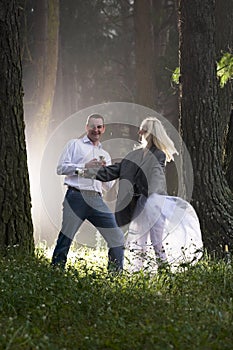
67,164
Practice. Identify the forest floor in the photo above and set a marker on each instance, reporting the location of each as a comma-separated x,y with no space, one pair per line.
84,307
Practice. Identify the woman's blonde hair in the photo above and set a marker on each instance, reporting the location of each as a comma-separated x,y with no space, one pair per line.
153,128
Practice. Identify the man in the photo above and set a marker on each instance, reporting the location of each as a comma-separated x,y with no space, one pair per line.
83,199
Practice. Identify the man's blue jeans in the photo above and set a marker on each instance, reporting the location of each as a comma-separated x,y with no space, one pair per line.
79,206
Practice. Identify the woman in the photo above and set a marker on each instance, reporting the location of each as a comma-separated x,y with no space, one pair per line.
167,225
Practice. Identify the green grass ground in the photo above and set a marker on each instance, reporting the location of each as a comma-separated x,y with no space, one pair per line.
85,308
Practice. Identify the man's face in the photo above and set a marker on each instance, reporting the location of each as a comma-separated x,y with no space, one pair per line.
95,129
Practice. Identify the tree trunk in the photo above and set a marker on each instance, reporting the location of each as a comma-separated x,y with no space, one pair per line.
201,123
229,152
46,58
224,43
15,203
146,93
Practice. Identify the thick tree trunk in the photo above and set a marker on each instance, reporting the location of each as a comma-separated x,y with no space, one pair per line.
46,58
201,123
229,152
15,204
146,92
224,43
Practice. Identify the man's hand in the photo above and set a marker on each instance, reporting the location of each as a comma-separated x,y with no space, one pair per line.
94,163
90,173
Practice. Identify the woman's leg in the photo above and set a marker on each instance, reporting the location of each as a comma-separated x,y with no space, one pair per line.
156,236
138,250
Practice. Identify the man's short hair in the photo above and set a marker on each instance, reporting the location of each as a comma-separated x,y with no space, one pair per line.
94,116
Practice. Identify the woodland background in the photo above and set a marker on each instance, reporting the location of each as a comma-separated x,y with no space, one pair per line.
76,54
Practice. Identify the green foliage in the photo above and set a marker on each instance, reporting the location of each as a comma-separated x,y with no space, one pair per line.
176,75
85,308
225,68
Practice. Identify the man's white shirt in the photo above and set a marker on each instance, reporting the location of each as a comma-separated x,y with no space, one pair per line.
76,154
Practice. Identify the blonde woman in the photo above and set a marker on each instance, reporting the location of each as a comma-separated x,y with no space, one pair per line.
167,225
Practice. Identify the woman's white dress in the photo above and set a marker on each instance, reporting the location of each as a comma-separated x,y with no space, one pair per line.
166,228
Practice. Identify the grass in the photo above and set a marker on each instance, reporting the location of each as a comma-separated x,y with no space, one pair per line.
85,308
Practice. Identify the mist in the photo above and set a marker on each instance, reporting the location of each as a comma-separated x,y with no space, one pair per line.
47,189
87,64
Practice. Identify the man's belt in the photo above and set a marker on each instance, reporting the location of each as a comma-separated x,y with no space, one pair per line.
88,192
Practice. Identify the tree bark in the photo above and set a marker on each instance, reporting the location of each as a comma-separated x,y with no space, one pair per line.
200,121
224,43
15,203
228,164
45,59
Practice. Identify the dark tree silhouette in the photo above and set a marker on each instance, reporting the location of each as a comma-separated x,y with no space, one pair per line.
15,203
224,43
201,123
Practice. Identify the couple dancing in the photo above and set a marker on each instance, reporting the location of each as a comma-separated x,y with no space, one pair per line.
166,224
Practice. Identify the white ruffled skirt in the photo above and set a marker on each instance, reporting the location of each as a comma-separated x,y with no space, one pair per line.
166,228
